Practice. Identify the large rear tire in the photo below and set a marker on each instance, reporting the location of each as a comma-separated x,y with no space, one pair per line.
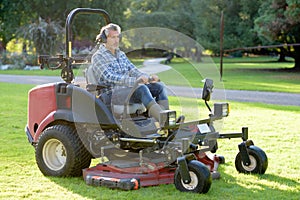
200,178
60,152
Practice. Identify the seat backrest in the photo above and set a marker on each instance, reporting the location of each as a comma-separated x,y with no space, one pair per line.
90,76
132,108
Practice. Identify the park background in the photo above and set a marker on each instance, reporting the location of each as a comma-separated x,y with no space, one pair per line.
32,28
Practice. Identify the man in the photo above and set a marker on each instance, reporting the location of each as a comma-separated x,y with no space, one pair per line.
112,68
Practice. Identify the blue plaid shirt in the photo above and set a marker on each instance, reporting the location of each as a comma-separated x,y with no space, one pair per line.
114,71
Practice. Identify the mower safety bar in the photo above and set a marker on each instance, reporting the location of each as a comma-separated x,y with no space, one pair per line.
70,18
66,62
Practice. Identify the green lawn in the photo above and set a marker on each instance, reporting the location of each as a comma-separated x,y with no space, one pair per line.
273,128
262,74
250,73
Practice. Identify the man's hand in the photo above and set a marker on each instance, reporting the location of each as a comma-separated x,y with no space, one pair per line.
143,79
154,78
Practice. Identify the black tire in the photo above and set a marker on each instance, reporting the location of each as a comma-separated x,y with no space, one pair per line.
60,152
258,158
200,175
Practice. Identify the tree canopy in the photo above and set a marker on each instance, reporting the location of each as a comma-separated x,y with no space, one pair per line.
279,22
247,23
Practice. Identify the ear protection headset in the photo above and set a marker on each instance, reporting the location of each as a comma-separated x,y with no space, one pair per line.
102,37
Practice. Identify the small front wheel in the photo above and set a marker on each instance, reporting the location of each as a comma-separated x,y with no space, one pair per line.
258,159
200,178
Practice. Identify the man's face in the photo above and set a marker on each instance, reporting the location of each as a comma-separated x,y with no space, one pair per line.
113,40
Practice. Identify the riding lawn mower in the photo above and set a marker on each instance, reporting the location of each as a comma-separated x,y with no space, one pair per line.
69,125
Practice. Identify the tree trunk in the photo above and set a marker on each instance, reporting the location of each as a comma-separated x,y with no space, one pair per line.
297,64
282,57
297,59
3,45
198,54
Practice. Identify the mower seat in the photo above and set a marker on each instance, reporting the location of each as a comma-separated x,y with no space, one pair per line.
93,86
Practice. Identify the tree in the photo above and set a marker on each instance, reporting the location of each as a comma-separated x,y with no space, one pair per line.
44,35
279,21
88,26
11,17
170,14
238,22
15,14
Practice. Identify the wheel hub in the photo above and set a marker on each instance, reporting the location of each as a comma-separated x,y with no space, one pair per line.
54,154
252,166
194,182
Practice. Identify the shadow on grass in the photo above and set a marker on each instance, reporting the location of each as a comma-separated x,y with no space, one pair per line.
267,186
245,60
279,70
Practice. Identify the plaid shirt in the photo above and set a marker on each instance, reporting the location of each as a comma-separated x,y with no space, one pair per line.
114,71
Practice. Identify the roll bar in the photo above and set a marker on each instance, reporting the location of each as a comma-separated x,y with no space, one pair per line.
65,62
69,21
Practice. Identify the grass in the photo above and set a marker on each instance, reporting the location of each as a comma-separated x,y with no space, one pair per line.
273,128
248,73
262,74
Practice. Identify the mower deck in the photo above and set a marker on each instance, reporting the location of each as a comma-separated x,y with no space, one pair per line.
128,175
131,175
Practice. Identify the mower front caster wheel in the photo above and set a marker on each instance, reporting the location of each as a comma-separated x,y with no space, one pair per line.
258,159
200,178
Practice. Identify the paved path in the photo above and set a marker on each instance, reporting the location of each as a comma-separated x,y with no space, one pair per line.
153,66
277,98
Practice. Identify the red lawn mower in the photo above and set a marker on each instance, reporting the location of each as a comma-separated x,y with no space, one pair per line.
69,125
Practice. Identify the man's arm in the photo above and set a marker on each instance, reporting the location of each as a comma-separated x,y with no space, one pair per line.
143,77
133,71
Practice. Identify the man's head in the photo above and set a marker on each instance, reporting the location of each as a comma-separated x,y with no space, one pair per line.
110,35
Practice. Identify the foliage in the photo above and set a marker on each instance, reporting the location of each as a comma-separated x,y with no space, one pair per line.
279,21
17,60
12,15
172,14
238,21
200,20
46,36
26,13
247,23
